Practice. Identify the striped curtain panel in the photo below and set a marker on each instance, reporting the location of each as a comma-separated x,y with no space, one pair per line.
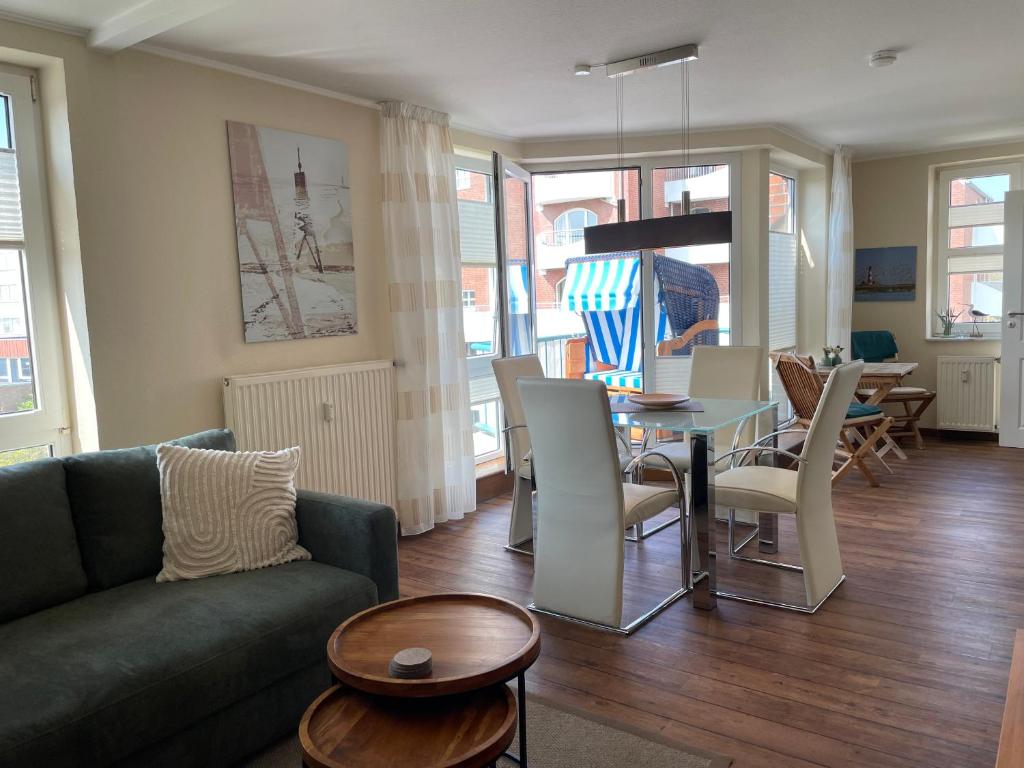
436,472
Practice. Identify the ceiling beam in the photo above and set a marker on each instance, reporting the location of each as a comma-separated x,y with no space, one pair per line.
148,19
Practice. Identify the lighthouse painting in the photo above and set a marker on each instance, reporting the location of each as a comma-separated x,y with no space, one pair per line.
293,221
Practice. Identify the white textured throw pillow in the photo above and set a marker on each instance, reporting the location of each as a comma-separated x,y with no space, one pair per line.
226,512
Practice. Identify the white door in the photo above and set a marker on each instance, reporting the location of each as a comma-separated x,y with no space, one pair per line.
32,397
1011,416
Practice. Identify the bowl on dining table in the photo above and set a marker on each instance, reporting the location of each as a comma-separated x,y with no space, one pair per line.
658,400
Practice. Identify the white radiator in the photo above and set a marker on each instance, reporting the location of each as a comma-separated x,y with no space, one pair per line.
342,416
968,393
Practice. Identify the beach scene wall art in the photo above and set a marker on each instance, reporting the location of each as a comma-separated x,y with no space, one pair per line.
293,220
885,274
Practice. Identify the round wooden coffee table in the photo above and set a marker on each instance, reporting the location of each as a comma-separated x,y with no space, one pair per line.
477,642
344,727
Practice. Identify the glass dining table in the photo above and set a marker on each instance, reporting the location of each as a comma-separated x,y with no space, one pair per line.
699,428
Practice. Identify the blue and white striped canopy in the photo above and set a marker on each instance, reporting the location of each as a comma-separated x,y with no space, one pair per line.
602,284
605,290
518,289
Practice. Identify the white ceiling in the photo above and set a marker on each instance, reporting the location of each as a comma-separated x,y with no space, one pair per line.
505,66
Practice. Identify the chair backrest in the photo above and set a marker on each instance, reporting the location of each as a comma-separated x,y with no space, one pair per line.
819,545
732,373
578,554
874,346
507,371
689,295
802,384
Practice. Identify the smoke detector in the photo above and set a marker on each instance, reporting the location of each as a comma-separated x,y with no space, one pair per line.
882,58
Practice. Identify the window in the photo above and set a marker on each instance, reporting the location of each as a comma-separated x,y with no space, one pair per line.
782,263
564,285
569,226
33,396
709,188
480,304
968,274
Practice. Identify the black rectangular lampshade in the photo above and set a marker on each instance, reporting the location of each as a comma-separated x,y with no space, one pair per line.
666,232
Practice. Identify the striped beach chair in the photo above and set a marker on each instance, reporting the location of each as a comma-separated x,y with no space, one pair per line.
605,291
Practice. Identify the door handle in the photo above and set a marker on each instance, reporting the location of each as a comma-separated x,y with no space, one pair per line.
1015,314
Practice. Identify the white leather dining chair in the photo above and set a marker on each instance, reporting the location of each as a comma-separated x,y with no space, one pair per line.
728,373
507,371
806,494
584,508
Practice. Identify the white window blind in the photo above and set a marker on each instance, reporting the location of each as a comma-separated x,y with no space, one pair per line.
782,291
12,233
476,233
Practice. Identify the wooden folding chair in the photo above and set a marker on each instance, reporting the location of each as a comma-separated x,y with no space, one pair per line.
880,347
862,429
914,400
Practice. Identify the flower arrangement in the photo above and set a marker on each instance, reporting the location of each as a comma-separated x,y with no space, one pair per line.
948,319
832,355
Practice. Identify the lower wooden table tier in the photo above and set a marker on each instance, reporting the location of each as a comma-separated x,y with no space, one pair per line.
344,727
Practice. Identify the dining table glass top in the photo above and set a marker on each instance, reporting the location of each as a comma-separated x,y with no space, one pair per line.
716,414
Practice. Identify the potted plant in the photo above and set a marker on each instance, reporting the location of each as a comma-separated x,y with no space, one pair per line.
832,357
948,319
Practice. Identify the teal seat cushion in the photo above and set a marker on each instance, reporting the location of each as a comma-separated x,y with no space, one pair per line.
115,504
39,561
93,681
859,411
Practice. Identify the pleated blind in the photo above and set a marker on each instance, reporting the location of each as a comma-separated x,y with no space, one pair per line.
781,291
12,233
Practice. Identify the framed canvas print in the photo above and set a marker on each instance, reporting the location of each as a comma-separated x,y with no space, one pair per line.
293,221
885,274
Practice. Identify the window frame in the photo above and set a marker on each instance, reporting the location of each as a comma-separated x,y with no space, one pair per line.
48,423
673,373
941,252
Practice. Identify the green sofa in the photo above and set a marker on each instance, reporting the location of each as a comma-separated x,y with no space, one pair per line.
102,666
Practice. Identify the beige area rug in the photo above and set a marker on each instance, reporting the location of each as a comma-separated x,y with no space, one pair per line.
562,739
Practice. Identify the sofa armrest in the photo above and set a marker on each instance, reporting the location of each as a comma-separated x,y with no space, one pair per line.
357,535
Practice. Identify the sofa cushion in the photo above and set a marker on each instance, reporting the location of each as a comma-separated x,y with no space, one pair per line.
115,504
103,676
39,561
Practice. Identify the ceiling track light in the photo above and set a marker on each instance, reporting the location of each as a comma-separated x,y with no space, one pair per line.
668,231
664,58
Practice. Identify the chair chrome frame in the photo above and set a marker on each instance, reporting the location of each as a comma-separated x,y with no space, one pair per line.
734,550
685,556
522,488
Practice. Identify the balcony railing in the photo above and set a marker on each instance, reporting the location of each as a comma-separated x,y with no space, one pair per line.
561,237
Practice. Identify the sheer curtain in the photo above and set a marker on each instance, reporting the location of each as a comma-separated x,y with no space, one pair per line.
436,473
840,253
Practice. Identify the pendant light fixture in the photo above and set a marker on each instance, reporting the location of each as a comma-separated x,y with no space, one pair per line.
667,231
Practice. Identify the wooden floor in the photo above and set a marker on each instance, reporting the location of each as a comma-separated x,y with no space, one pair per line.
906,665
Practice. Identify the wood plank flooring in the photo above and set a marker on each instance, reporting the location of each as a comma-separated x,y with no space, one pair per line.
906,665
